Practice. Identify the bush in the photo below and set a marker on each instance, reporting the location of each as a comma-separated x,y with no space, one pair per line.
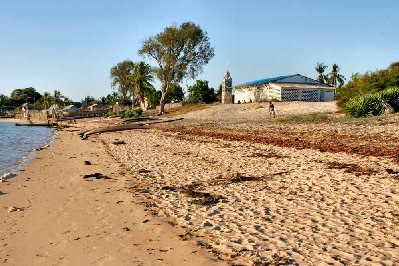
368,105
391,96
370,82
129,113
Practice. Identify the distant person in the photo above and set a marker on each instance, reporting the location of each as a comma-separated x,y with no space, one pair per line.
272,112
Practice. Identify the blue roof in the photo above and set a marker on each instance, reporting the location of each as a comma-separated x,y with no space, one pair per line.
263,81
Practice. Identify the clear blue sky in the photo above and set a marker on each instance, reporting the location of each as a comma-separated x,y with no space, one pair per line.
71,45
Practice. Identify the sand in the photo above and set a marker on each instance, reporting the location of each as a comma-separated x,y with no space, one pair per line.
245,187
315,193
64,219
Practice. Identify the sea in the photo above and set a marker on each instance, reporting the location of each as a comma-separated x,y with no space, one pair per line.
18,145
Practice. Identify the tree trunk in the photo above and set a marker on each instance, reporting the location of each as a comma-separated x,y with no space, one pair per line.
163,98
142,102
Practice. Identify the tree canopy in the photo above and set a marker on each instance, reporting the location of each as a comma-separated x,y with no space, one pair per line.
121,78
320,68
180,52
201,93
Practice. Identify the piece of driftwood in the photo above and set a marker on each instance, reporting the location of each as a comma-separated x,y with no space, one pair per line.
163,121
137,119
115,128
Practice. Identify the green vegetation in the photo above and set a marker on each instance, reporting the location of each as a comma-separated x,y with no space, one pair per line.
129,113
132,79
180,52
201,93
373,104
368,83
372,93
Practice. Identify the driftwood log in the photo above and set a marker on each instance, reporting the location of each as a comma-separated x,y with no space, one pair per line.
137,119
115,128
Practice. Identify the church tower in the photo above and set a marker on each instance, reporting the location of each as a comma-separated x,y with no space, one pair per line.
227,89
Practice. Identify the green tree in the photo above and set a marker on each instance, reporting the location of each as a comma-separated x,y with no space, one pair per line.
27,95
201,93
89,100
175,93
121,79
47,100
153,96
180,52
320,68
67,101
58,98
3,102
336,79
141,82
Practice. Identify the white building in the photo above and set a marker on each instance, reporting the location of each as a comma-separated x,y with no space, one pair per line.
284,88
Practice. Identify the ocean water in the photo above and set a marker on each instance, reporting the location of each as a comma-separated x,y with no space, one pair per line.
18,144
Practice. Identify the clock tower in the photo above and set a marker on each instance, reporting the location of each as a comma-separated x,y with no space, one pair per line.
227,89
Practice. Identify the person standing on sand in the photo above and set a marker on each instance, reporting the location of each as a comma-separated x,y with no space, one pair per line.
271,109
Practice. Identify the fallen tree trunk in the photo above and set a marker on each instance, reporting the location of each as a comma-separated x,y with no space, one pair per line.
137,119
85,134
113,129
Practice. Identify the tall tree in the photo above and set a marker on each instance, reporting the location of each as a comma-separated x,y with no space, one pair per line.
320,68
180,52
58,98
121,78
47,100
141,82
335,78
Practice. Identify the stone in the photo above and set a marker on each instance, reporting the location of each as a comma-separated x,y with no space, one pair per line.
14,209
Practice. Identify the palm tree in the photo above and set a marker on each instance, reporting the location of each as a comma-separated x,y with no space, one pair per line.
320,68
141,81
89,100
335,78
46,98
67,101
57,98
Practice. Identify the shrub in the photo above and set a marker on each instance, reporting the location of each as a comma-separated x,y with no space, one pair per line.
391,96
368,105
129,113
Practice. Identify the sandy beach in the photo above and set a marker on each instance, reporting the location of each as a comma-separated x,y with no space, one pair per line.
246,188
63,219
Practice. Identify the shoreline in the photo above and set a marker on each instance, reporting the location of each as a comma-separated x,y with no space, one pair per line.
92,220
10,120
